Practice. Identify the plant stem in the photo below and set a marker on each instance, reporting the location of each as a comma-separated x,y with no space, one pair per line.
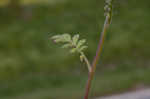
86,61
98,52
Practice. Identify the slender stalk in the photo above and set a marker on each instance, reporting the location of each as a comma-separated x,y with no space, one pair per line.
100,47
86,61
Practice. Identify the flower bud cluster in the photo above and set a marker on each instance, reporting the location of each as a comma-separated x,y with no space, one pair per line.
108,8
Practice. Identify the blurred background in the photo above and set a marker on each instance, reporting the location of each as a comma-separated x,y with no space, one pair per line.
33,67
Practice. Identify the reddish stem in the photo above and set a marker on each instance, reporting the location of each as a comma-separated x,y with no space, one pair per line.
98,54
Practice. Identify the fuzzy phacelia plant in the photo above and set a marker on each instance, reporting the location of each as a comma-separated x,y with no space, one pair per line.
77,45
74,44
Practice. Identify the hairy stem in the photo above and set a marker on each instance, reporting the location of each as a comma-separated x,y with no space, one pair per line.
95,61
86,61
99,51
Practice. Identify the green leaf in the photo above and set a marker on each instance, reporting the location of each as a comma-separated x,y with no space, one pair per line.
62,38
81,42
75,39
55,37
73,50
66,45
74,43
66,37
83,48
57,40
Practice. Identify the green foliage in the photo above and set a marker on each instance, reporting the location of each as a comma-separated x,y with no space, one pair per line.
75,45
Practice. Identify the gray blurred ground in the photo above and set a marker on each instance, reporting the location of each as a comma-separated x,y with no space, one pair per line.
142,94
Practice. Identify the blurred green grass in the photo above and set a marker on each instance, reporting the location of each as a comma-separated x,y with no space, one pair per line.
39,86
26,51
28,2
25,45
